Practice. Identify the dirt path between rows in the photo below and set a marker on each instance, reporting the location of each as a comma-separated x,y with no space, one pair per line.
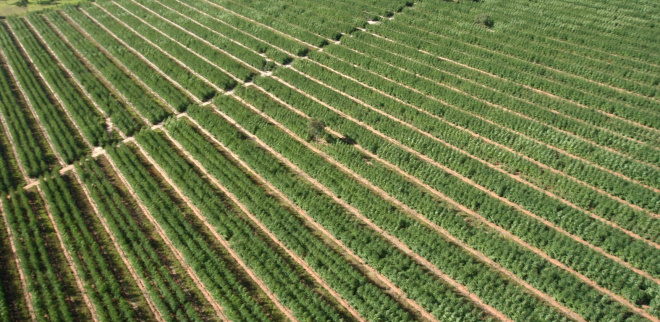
219,238
207,295
19,268
140,283
69,259
511,204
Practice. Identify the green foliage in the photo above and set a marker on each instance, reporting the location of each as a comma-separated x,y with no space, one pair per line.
484,20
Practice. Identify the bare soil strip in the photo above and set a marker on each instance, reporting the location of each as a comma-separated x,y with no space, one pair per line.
69,259
207,295
220,239
21,275
131,269
517,207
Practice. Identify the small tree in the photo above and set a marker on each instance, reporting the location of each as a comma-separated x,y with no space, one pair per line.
23,3
315,128
484,20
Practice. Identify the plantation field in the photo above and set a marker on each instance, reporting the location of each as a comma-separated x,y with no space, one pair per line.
271,160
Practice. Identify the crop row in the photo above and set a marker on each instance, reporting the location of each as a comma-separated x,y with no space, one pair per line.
165,29
10,174
508,43
212,267
102,274
45,276
446,256
574,135
338,273
250,34
139,246
538,104
574,221
277,272
60,133
106,101
168,92
88,119
528,229
31,156
523,72
463,110
117,34
158,43
564,186
135,95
